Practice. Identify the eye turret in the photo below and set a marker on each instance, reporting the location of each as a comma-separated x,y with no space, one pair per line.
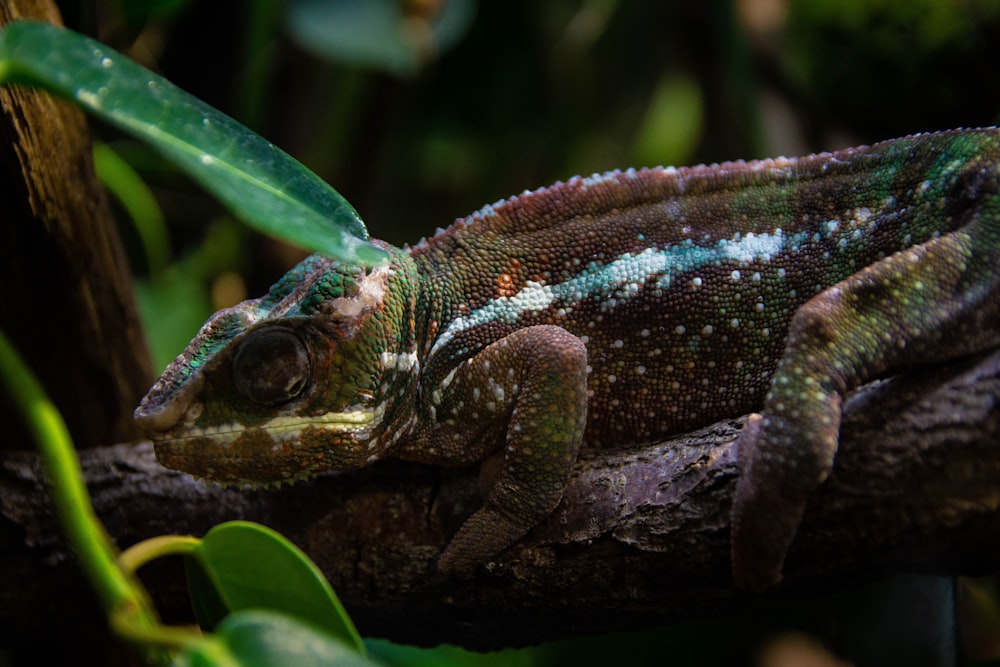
272,366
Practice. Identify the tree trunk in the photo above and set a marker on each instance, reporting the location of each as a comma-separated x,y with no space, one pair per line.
68,302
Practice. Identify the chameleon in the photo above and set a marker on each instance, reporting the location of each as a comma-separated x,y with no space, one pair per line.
608,311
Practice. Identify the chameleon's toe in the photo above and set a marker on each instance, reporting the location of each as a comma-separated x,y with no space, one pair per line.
477,541
766,514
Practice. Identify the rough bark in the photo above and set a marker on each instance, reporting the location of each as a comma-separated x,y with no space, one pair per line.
68,303
643,533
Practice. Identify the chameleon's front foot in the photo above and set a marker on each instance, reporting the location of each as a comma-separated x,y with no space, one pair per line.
541,373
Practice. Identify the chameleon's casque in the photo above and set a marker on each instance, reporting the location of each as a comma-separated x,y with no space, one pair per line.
608,311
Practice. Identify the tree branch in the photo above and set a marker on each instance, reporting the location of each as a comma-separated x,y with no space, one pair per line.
643,532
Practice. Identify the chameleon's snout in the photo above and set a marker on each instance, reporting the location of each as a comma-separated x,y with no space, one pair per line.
154,420
149,421
160,410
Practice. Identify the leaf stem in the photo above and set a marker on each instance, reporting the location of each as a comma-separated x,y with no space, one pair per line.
141,553
123,598
83,530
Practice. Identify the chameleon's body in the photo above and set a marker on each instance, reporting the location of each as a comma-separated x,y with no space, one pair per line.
608,311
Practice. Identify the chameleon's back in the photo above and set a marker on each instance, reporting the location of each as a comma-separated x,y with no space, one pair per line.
682,282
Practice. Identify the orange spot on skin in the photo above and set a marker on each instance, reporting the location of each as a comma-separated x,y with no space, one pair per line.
506,286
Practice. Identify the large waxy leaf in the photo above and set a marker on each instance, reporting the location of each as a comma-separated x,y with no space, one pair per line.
260,183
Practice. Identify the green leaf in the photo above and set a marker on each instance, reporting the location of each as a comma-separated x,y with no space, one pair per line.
248,566
380,34
138,201
261,184
447,655
263,638
207,601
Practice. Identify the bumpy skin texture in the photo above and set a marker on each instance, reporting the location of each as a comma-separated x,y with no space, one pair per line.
608,312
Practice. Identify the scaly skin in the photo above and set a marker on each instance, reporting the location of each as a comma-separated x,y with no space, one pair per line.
608,311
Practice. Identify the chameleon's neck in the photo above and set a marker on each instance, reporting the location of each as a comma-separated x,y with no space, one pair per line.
441,290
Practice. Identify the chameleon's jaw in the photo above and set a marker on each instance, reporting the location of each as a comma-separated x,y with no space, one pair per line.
283,449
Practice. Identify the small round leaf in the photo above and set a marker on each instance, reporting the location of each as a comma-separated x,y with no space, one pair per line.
242,565
268,639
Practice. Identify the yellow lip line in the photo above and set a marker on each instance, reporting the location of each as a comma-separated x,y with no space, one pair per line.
354,420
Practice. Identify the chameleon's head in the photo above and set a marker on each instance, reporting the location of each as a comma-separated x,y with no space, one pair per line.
302,380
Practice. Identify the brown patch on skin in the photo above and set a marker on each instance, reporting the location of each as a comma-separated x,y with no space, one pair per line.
509,280
506,286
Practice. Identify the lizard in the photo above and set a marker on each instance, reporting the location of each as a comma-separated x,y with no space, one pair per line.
608,311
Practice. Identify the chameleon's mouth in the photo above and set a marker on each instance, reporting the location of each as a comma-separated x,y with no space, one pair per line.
282,449
279,428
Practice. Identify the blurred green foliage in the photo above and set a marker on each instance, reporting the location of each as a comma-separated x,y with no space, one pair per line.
392,36
455,104
884,66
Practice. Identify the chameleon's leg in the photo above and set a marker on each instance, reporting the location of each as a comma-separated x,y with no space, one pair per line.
930,303
542,371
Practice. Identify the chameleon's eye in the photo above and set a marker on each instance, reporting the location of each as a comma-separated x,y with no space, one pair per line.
271,366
